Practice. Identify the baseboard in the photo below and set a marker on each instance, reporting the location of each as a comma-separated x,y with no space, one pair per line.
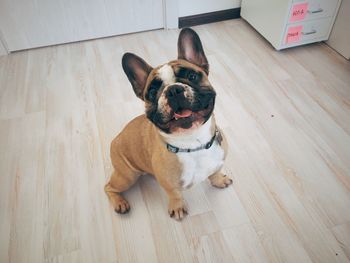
211,17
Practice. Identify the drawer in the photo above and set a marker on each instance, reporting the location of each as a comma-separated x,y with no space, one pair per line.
306,31
311,9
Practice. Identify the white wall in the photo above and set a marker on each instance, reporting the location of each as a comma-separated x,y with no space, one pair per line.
195,7
340,37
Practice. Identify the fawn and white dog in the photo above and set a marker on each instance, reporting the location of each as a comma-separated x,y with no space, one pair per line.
177,139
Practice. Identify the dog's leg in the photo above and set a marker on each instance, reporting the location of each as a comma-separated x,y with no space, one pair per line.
177,207
220,180
118,184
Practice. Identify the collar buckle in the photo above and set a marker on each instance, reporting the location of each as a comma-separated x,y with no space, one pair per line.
172,149
208,145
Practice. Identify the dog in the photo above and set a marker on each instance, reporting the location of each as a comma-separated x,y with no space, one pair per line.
177,139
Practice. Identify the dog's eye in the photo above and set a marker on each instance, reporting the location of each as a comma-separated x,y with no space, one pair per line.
192,76
152,94
153,90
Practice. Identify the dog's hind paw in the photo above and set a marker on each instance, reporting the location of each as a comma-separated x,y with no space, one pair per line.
220,180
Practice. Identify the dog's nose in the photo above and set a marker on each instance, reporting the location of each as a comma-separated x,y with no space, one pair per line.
175,90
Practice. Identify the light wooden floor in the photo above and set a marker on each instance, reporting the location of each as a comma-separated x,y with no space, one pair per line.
287,118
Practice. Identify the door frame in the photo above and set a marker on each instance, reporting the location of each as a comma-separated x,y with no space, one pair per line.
3,47
171,14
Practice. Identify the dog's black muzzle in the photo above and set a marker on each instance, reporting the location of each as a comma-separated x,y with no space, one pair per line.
202,99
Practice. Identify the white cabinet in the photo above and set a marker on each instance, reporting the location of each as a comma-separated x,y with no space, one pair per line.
34,23
289,23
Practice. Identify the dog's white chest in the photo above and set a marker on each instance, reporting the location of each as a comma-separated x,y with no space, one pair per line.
197,166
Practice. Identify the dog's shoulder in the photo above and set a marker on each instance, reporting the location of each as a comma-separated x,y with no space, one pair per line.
139,143
134,129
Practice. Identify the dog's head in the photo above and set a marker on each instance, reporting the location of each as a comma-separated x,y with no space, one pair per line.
177,95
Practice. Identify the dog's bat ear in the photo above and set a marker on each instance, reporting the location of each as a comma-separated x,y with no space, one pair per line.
137,71
190,48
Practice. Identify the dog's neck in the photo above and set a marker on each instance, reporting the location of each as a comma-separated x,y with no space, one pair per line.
192,138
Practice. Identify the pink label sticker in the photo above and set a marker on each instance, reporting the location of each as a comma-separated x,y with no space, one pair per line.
293,34
298,12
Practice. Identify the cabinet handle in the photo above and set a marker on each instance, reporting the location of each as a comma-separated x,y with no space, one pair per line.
309,33
315,11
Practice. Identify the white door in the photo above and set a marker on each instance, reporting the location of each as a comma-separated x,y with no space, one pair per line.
34,23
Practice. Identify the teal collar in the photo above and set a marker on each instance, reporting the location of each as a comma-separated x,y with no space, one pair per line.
217,136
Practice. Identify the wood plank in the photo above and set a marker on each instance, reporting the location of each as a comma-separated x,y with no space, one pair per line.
342,234
244,244
23,205
13,88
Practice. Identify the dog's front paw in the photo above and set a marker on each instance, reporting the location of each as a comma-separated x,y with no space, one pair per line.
177,209
121,206
219,180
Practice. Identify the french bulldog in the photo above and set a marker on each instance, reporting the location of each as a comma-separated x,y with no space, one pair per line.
177,139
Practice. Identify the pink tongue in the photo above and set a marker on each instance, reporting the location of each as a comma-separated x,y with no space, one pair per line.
183,114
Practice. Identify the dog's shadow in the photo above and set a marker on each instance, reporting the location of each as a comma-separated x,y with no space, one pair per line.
147,197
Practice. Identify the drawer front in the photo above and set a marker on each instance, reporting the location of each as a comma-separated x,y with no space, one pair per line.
312,9
306,32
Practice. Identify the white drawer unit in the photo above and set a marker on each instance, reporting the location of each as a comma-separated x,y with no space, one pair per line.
290,23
